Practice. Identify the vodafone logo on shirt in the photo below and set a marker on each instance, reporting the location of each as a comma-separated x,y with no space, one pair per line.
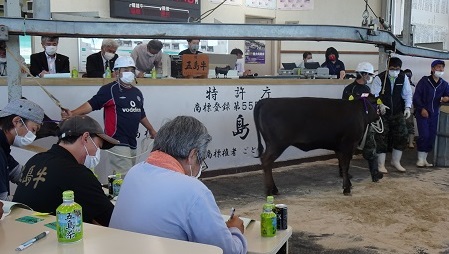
132,109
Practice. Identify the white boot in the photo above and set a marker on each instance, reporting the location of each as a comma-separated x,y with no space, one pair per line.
411,138
422,160
381,163
396,160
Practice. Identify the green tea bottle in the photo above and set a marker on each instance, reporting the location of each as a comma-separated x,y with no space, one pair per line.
116,184
154,73
69,219
108,73
268,219
74,73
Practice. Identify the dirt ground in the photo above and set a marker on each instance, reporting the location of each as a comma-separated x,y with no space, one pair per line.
403,213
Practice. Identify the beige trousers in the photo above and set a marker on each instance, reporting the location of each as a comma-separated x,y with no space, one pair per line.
120,164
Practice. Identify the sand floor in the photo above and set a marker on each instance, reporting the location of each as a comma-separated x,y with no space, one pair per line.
403,213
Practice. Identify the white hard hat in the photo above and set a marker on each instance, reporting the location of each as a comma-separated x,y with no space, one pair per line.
365,67
124,61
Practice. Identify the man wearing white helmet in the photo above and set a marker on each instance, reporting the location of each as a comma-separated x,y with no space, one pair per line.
355,90
123,111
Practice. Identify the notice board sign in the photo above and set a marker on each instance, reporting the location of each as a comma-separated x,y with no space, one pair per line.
195,65
156,10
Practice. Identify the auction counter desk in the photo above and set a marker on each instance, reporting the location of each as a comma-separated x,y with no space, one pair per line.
225,106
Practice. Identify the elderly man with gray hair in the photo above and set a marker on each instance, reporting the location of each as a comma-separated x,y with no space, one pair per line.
162,196
97,63
148,56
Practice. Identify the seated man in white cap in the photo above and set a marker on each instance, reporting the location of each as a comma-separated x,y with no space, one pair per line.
66,166
19,122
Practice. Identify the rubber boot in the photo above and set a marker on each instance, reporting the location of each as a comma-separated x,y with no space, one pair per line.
381,163
425,161
373,169
396,160
411,138
422,160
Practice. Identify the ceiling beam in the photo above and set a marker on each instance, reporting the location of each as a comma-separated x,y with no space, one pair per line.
138,30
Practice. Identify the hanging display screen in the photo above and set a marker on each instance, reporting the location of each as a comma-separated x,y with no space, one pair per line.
156,10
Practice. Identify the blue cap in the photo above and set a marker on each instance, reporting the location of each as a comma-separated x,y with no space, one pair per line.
436,62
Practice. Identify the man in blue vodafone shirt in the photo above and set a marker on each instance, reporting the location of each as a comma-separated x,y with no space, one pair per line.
123,111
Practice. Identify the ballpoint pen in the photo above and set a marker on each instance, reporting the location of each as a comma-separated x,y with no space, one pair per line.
232,213
32,240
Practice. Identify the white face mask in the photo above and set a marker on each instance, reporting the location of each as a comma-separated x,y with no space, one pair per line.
439,74
308,60
127,77
20,141
393,73
108,56
51,50
151,55
197,175
92,161
2,59
369,80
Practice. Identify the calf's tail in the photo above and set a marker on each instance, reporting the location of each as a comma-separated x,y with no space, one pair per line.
257,123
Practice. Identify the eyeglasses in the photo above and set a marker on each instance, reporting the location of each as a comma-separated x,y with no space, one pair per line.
203,164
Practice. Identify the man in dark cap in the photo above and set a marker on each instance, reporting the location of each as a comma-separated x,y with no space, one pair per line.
147,57
429,93
67,166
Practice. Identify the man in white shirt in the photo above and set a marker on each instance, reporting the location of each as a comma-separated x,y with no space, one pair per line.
49,61
395,93
240,63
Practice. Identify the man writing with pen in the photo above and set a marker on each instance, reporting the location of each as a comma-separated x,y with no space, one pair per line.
162,196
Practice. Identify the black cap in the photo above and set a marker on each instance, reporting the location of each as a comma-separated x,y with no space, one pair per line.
77,125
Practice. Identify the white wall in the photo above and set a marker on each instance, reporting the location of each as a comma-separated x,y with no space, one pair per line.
163,102
101,6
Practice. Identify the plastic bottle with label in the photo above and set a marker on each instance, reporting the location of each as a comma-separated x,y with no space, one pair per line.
108,73
74,73
69,219
268,219
117,184
154,73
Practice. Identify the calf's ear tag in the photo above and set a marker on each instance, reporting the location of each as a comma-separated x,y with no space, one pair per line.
379,101
351,98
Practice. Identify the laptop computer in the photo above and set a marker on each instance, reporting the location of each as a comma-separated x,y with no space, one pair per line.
322,72
289,66
312,65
